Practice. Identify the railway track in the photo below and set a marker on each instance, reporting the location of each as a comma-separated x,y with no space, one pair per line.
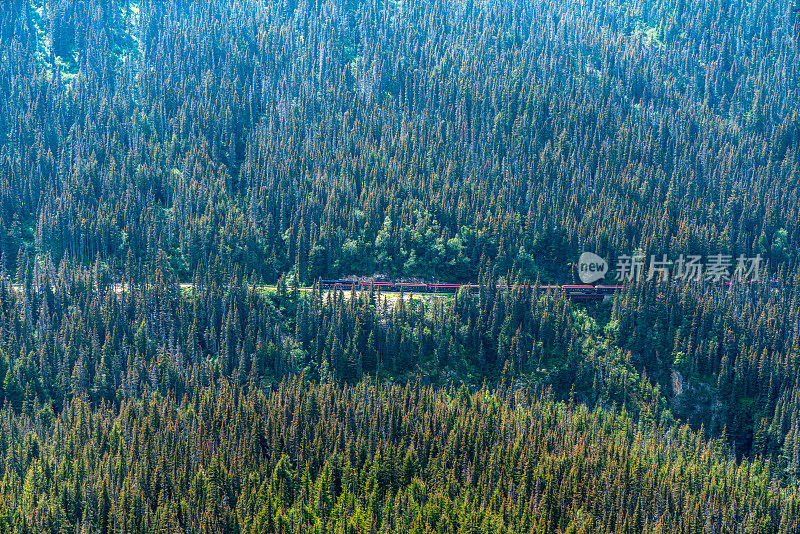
577,292
574,292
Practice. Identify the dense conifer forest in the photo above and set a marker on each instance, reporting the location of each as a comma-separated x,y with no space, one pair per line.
177,176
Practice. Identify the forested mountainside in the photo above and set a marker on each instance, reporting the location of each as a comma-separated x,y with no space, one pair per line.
378,459
176,177
417,138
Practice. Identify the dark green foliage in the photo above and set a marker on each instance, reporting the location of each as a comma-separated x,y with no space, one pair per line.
161,161
434,139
